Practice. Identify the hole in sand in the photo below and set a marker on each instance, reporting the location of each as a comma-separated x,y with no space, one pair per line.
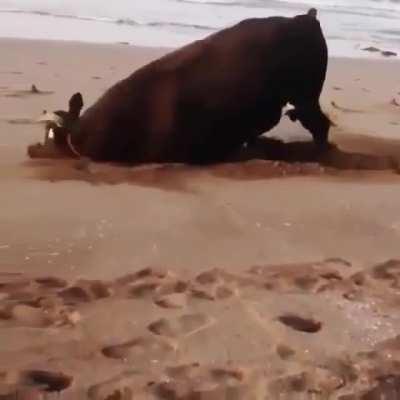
300,324
47,380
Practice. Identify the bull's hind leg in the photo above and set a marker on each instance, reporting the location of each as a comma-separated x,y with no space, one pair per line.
314,120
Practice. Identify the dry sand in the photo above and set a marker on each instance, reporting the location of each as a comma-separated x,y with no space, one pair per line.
76,318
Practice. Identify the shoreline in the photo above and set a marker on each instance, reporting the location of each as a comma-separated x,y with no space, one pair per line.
355,55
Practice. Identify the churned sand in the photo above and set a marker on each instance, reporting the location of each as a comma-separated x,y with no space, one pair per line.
268,278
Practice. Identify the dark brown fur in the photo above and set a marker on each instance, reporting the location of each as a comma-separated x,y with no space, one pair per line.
202,102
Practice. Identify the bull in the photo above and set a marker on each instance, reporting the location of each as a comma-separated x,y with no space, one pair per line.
200,103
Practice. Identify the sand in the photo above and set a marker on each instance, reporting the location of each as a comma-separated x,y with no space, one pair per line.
296,302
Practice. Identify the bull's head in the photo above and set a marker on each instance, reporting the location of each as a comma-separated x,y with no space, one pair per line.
60,126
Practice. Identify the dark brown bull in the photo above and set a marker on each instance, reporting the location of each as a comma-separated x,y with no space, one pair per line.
202,102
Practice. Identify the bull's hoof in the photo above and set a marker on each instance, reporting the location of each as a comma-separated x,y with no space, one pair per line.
321,149
82,164
35,150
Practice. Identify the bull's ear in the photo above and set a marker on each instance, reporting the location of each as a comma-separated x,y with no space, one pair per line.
76,104
312,12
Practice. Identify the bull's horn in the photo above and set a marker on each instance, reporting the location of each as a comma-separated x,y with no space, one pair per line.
51,117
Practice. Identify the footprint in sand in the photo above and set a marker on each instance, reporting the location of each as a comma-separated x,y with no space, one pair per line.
384,276
48,381
144,289
213,292
204,383
85,291
182,326
174,300
319,381
147,273
34,384
141,349
387,388
218,284
300,324
310,277
129,385
158,285
37,312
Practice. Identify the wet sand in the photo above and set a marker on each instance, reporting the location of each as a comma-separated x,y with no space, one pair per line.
312,328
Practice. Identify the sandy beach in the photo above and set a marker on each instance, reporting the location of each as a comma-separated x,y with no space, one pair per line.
259,279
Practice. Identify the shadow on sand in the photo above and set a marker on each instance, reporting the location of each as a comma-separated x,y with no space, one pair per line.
266,158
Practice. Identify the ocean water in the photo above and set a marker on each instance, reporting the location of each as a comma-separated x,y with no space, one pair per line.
349,25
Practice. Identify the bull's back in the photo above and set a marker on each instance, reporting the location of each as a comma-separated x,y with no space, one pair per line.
253,61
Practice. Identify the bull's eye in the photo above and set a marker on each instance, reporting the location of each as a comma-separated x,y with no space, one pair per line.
51,133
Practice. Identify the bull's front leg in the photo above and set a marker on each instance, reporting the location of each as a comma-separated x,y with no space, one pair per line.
315,121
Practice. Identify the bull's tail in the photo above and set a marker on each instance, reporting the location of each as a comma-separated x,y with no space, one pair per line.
312,12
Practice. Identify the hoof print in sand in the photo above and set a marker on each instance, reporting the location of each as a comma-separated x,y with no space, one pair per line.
46,380
184,325
300,324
